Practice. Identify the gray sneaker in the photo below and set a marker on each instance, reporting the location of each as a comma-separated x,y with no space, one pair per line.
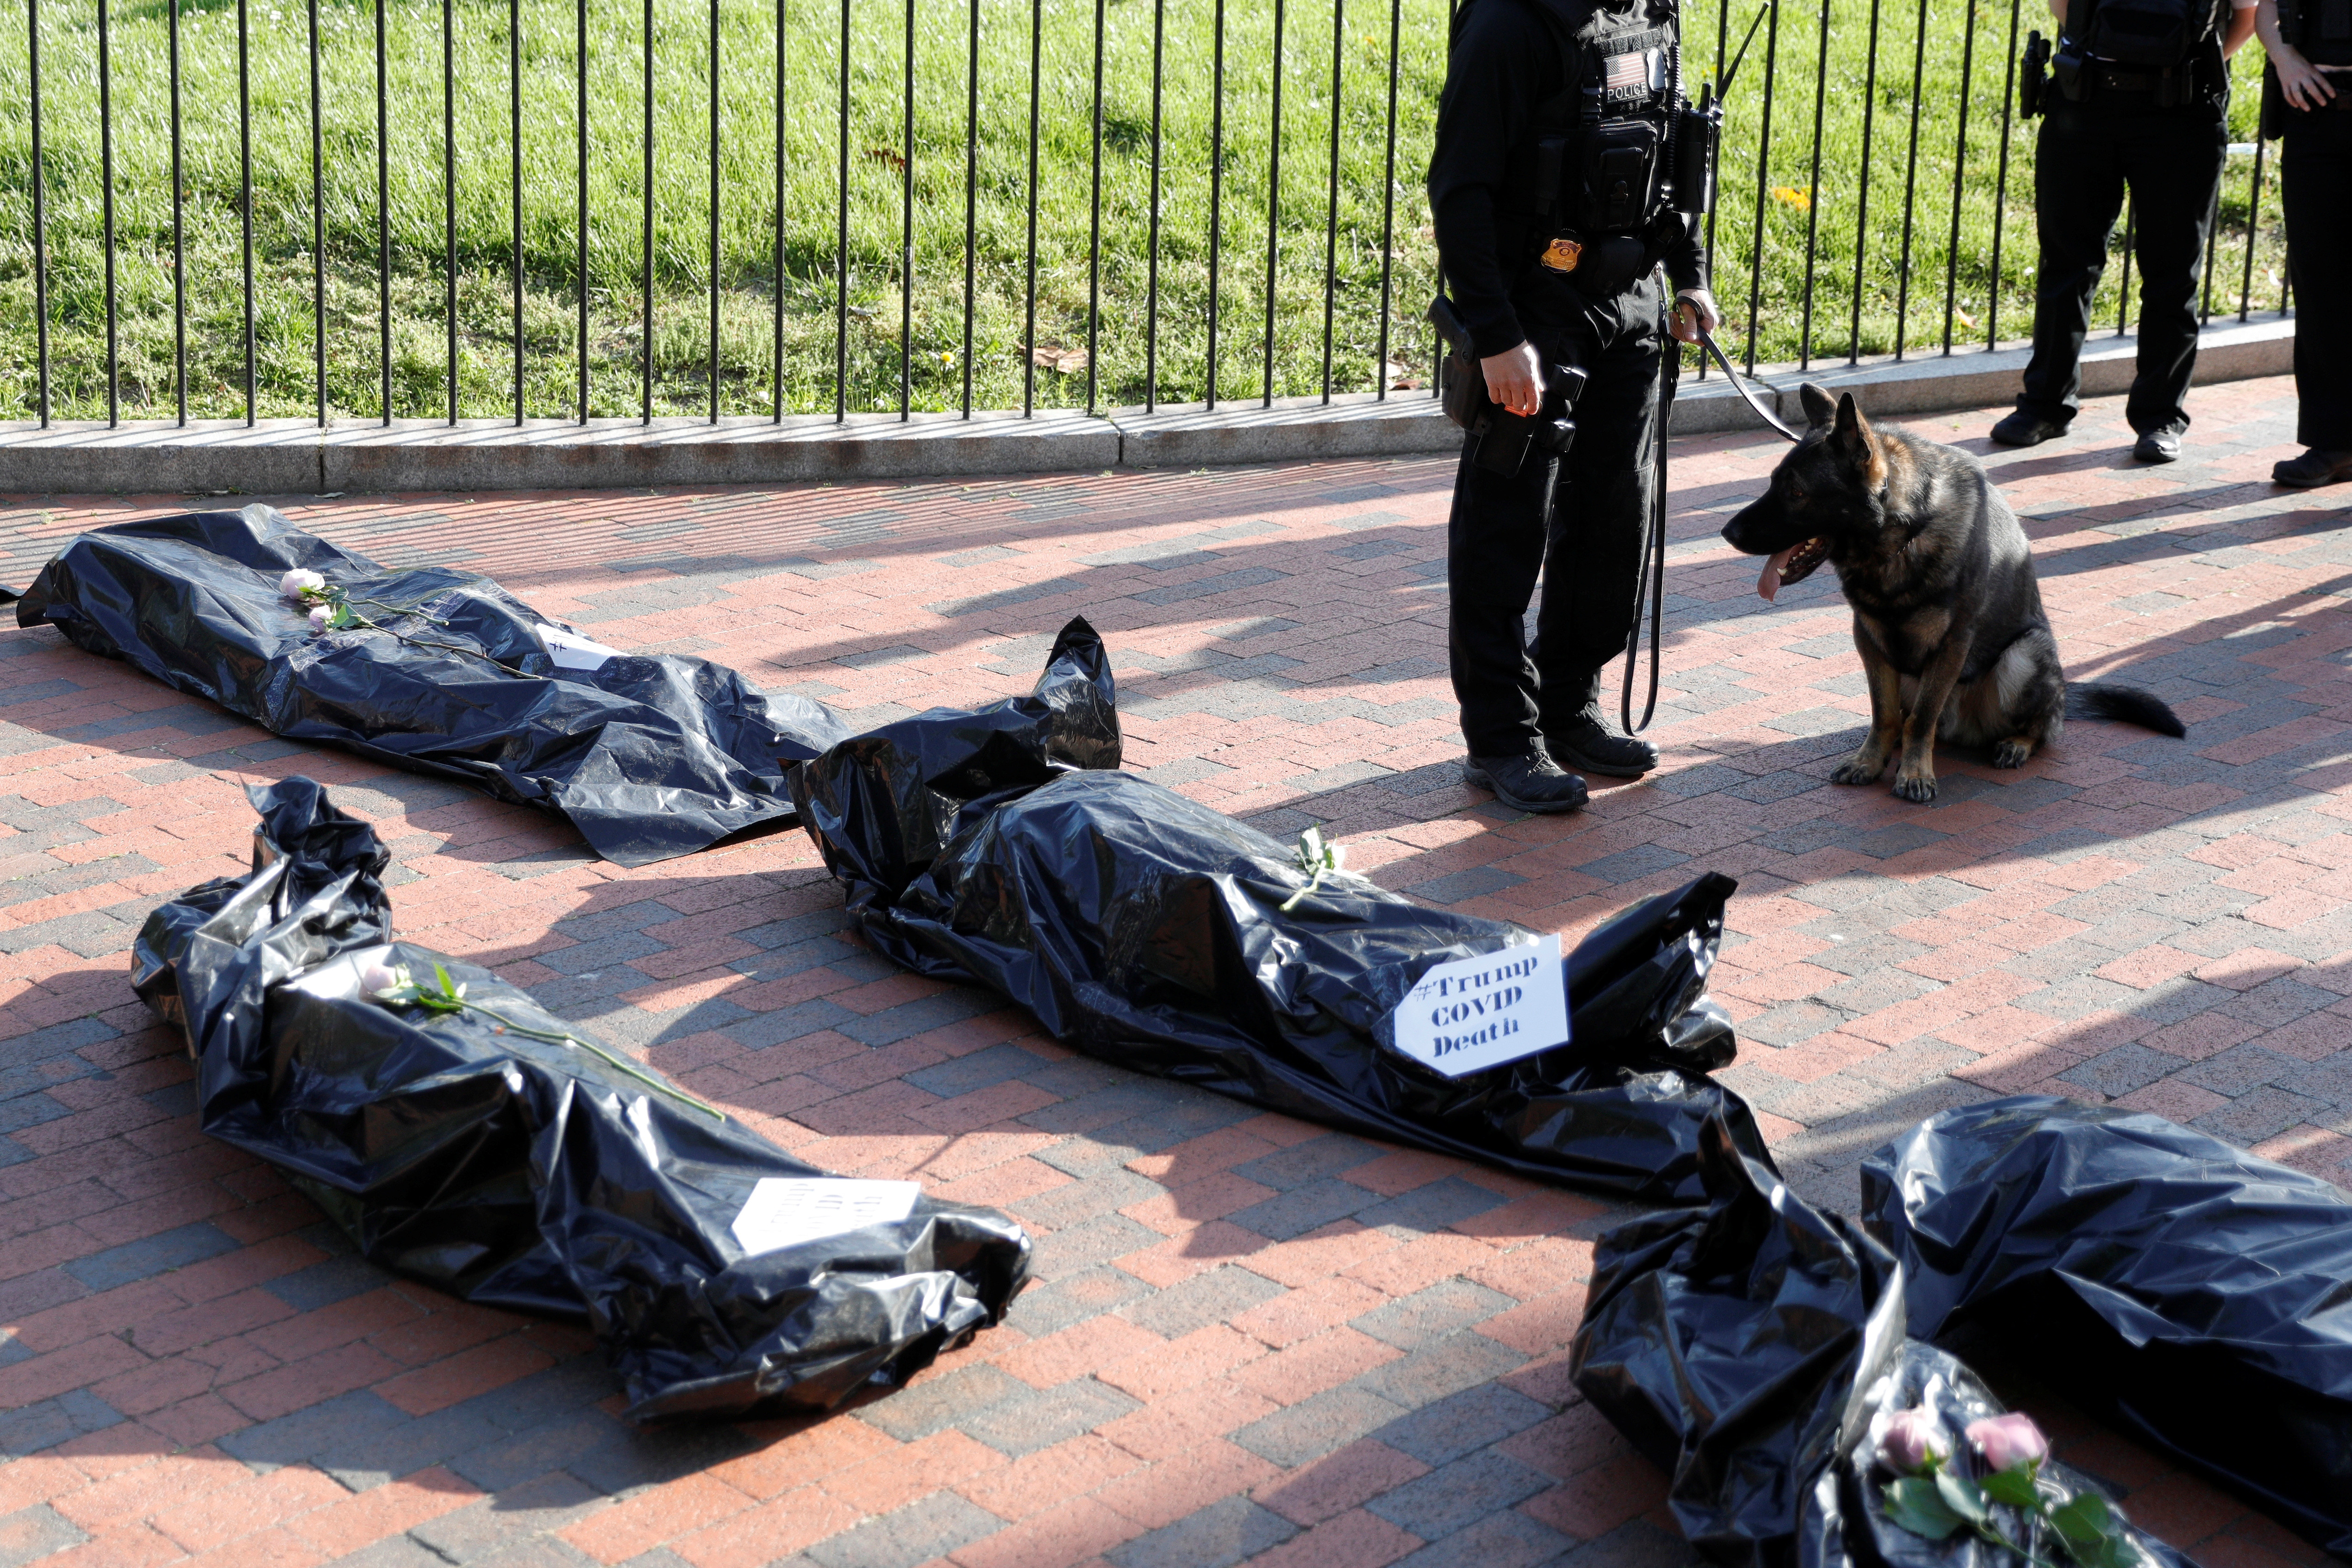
1531,783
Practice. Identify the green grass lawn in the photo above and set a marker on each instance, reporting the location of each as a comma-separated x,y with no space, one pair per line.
770,271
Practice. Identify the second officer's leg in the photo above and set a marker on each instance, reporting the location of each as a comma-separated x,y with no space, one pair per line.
2173,160
1599,519
2078,189
2316,163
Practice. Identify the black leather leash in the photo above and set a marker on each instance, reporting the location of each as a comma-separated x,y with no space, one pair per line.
1707,338
1650,579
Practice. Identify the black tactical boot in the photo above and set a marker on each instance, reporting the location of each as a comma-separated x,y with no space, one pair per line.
1586,740
2314,467
1531,783
2023,429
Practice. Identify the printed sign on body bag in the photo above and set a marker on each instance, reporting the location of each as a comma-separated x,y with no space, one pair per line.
1474,1013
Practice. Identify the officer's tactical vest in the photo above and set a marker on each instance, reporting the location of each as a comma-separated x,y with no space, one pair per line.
2320,31
2152,34
1596,160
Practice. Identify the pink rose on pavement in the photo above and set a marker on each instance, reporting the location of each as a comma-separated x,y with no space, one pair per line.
1911,1439
2007,1442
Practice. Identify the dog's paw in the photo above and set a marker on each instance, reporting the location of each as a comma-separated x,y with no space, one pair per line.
1859,771
1918,787
2011,753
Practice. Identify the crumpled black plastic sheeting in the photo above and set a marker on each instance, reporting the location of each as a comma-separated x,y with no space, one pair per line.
1001,846
1754,1350
531,1174
2198,1296
650,755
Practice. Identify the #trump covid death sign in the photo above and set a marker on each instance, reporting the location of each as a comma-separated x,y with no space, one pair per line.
1475,1013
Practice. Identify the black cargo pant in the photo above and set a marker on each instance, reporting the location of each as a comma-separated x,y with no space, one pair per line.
2087,155
2316,163
1578,520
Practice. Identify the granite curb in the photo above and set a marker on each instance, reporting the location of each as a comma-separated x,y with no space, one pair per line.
293,457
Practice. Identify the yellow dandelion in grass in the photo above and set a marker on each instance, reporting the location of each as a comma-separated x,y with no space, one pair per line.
1789,196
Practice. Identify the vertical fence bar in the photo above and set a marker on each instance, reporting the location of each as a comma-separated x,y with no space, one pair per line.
179,225
40,219
1273,201
1216,185
448,193
2253,220
1959,167
245,186
1094,229
580,150
1862,196
1152,265
1029,309
382,222
1388,192
1814,189
318,224
1763,181
841,240
776,305
2123,295
713,359
1910,188
106,205
514,169
2001,184
1438,345
1722,43
971,190
645,277
907,238
1331,228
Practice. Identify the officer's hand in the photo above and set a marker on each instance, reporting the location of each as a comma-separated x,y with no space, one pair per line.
1515,379
1695,309
2305,85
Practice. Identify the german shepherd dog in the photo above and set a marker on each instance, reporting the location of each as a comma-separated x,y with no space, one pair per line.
1947,614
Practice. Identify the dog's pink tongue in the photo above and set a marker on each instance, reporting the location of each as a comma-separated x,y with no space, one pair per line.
1768,581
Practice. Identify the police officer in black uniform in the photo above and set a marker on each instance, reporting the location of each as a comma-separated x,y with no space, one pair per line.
1550,189
2308,104
2138,99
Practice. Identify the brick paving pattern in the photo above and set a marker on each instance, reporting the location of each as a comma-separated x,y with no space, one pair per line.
1250,1338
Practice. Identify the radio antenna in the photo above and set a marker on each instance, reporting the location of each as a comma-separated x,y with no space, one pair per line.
1724,92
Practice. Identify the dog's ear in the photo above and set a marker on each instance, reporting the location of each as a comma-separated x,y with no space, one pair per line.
1853,438
1817,406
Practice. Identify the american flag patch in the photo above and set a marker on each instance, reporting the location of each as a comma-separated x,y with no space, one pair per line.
1627,70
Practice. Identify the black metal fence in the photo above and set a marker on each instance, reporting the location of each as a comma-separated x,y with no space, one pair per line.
380,209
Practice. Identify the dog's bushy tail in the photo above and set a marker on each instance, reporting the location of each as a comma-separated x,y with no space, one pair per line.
2125,705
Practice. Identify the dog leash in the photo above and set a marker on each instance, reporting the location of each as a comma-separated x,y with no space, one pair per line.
1708,340
1650,578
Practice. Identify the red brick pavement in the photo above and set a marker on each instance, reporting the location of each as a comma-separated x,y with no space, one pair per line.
1251,1337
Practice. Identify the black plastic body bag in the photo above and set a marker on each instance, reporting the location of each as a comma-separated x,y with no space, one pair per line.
1753,1349
2197,1295
649,756
533,1175
1001,846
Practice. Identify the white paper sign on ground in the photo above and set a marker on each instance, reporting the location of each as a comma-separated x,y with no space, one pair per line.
1475,1013
571,651
784,1211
